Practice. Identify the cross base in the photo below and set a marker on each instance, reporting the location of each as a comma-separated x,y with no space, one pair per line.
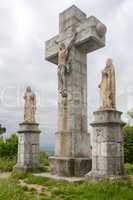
60,178
70,167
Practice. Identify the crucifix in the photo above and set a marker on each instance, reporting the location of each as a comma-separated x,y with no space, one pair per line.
78,35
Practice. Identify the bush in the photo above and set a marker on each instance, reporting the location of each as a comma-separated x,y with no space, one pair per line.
7,164
129,168
43,158
128,144
8,149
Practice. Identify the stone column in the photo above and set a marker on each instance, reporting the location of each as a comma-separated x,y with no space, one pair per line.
72,148
28,147
107,145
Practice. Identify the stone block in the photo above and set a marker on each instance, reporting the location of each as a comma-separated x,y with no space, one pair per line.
28,147
107,116
69,167
63,146
107,145
70,17
107,133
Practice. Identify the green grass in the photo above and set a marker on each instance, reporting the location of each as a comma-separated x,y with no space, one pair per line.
105,190
9,190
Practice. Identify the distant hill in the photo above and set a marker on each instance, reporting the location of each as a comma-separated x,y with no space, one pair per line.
49,149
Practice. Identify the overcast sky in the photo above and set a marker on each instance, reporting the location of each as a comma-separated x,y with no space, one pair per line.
25,25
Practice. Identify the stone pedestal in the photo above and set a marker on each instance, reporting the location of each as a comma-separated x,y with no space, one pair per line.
107,146
28,147
69,167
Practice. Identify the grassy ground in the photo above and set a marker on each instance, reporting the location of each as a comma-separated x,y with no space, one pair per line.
92,190
9,190
115,190
29,187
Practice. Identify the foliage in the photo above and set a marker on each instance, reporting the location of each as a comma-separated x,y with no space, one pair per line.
6,164
43,158
129,168
128,144
130,114
8,149
8,153
2,130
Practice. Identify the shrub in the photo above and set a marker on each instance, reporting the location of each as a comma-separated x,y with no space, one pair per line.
43,158
6,164
129,168
128,144
8,149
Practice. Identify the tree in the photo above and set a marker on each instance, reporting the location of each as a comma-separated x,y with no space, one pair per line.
9,147
2,130
130,116
128,143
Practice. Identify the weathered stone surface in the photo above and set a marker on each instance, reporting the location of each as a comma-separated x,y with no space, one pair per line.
78,36
107,145
69,167
88,38
28,147
61,178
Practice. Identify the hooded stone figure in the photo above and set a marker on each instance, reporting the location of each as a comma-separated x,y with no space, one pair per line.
107,87
30,106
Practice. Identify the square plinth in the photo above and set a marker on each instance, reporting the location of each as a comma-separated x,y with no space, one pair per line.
70,167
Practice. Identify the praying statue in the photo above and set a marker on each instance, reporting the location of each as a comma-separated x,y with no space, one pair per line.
107,87
64,64
30,106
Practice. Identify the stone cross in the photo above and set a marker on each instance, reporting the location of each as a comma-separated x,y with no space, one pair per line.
84,35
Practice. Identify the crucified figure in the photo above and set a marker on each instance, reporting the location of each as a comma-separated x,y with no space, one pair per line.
64,64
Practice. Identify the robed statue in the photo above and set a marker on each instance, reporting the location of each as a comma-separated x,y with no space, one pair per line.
64,64
107,87
30,106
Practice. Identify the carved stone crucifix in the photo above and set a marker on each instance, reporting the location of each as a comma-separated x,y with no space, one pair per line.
84,35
